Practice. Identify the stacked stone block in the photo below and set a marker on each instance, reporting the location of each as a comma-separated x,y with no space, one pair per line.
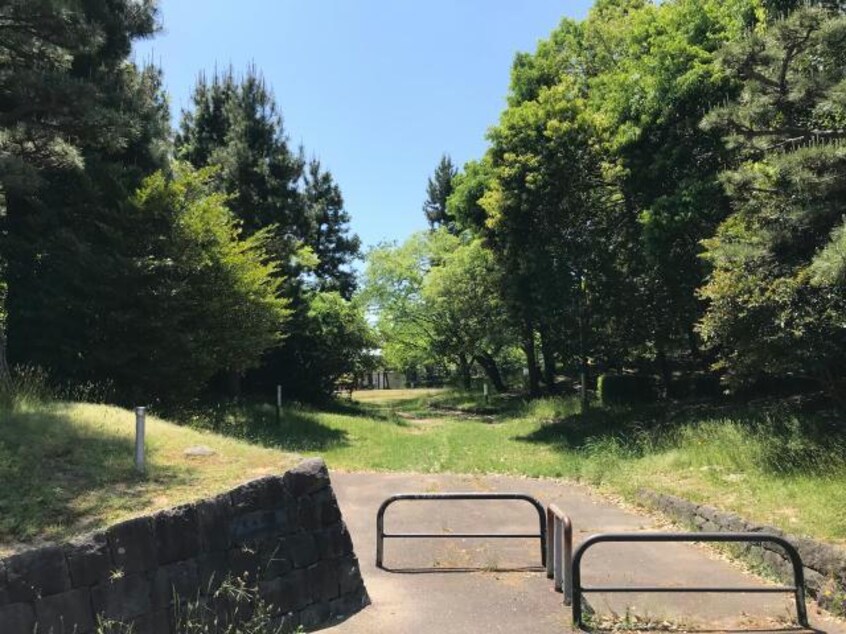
283,534
824,564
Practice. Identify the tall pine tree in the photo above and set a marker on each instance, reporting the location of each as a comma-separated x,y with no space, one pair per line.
438,190
67,171
778,290
235,127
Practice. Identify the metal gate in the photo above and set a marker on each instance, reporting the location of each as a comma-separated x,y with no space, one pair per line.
797,589
381,535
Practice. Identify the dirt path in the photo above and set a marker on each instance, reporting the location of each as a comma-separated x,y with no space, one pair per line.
462,586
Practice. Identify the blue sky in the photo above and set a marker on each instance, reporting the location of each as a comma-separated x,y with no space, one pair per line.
377,89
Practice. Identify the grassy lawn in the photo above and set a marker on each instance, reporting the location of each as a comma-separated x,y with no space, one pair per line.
772,465
66,468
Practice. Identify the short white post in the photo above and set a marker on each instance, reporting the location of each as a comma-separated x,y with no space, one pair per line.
140,420
485,389
278,404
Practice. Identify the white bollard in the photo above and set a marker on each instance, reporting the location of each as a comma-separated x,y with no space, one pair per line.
278,404
140,420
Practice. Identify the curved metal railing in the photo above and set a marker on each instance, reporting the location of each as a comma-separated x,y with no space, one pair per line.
798,587
381,535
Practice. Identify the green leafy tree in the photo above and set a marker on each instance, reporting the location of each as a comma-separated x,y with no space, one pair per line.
393,291
206,296
470,321
344,338
437,301
548,209
234,124
776,294
654,74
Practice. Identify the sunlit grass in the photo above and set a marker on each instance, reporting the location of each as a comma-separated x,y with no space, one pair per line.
775,467
389,396
69,467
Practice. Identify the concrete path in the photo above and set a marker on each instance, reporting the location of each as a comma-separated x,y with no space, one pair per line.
459,586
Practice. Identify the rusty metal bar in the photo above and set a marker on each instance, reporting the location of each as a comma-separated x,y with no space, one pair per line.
559,555
798,587
381,535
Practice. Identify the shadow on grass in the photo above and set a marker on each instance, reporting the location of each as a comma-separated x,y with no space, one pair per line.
774,437
297,429
577,431
58,476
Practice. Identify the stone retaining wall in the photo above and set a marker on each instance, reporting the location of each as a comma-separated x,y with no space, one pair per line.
825,565
283,534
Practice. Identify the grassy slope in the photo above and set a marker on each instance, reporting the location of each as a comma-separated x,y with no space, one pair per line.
775,468
69,467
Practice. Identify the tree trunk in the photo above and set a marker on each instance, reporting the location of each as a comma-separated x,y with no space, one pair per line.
488,364
548,353
5,374
464,371
528,345
583,359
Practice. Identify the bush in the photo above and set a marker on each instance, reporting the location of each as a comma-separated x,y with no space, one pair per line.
697,386
626,389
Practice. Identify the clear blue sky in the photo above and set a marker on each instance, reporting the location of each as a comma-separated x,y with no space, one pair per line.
377,89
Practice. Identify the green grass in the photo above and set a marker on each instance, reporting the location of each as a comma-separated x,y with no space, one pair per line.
66,468
772,465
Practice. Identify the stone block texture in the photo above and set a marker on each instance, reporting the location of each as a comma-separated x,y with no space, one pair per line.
283,534
824,564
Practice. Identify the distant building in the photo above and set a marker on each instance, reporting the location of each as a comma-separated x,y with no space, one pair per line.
384,379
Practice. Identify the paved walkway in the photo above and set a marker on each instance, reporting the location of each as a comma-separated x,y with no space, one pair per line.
462,586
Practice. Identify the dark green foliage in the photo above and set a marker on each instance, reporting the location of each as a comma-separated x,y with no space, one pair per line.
65,189
776,295
330,343
70,53
234,125
696,386
438,190
193,298
327,232
625,389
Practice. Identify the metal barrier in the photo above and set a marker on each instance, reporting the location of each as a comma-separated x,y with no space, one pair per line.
559,551
798,587
381,535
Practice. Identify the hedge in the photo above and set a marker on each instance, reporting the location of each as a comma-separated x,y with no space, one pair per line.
625,389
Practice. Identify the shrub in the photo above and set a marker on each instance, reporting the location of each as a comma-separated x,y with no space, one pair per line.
625,389
696,386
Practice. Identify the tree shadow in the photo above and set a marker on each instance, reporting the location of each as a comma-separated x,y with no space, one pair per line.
59,477
788,440
577,431
296,429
